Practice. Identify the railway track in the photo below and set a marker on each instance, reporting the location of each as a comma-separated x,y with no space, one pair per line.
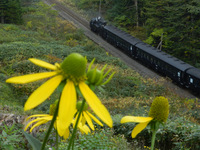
79,22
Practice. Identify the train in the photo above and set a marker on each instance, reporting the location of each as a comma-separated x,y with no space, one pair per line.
180,72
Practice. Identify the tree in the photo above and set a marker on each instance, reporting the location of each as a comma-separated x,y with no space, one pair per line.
11,11
3,6
180,21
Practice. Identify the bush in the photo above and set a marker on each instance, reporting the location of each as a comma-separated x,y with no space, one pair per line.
26,67
3,77
11,137
177,134
101,139
6,93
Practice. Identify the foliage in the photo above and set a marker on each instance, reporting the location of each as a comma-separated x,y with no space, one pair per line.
100,139
180,38
177,134
6,91
11,137
10,11
35,143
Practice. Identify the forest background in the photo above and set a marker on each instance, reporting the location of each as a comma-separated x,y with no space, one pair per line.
170,25
37,31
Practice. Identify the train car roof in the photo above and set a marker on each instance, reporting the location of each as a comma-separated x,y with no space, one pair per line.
194,72
169,59
125,36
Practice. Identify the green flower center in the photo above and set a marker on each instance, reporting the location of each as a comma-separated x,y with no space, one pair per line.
95,76
74,67
78,106
159,109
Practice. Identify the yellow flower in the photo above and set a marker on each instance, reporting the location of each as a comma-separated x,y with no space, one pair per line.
143,122
44,118
72,70
86,116
158,112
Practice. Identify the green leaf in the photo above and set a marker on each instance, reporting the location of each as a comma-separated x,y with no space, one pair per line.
4,133
35,143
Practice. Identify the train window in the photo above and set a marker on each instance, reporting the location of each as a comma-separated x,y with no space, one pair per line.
191,80
131,48
179,74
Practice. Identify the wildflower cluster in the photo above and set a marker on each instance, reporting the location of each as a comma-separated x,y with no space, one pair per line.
72,72
69,110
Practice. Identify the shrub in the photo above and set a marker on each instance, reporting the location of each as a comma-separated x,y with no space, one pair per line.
177,134
6,93
3,77
11,137
26,67
99,140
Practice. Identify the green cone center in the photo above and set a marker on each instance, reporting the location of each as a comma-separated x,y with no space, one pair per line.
74,66
159,109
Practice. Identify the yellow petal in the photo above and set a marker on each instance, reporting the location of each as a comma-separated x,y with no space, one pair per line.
43,64
38,115
35,120
43,92
86,129
135,119
47,118
83,128
96,105
66,134
38,124
30,77
89,121
138,128
67,107
95,119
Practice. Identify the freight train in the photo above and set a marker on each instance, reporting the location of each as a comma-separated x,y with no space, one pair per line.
180,72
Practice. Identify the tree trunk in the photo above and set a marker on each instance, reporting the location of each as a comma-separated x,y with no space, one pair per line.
2,19
136,12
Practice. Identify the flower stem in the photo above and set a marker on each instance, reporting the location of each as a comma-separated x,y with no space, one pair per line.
75,127
56,140
50,127
153,139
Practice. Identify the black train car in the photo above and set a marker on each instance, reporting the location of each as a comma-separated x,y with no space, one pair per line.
120,39
162,62
179,71
192,79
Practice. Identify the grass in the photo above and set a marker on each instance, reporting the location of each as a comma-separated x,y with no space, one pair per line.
127,93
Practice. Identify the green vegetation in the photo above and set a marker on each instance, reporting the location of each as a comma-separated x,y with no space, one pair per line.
44,36
10,11
174,24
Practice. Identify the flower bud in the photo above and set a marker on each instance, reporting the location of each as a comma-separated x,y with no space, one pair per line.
95,76
159,109
78,106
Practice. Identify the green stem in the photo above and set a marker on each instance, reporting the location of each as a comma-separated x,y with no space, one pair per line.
153,139
50,128
76,125
56,140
